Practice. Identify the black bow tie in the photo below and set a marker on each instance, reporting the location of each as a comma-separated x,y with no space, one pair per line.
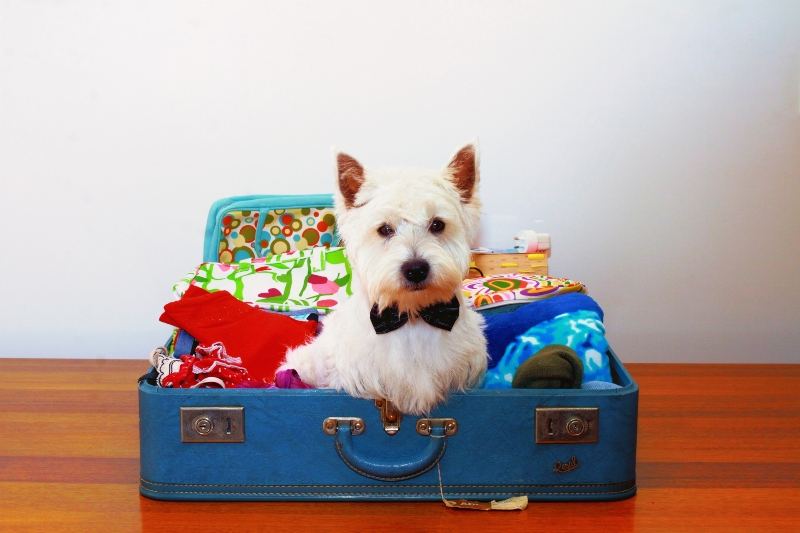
442,315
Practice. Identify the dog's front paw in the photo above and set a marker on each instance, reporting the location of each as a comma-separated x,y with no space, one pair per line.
310,363
421,399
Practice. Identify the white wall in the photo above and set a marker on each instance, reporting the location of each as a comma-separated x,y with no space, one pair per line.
658,141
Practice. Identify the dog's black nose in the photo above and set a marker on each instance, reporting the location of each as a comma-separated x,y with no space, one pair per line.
416,270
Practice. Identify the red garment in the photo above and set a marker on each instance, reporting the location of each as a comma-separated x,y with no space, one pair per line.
260,338
210,367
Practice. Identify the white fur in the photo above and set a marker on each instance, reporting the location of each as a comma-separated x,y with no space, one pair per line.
417,365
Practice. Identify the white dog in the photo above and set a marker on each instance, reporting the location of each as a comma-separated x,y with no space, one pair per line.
406,334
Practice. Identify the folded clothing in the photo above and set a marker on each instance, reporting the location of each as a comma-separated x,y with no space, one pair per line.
183,343
260,339
552,367
583,331
289,379
503,328
212,367
317,278
321,278
509,289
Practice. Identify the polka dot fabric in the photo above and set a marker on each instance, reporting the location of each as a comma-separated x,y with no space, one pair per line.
250,234
238,235
286,230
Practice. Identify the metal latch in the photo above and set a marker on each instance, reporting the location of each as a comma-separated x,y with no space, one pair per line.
331,424
426,425
567,425
390,416
212,424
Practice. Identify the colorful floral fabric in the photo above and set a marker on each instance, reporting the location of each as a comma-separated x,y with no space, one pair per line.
504,289
250,234
316,277
320,278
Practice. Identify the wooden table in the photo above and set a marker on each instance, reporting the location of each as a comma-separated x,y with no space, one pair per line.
719,447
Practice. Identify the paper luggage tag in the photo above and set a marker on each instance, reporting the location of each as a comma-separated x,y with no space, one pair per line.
515,503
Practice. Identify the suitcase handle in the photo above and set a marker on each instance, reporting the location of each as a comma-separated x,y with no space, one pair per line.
376,469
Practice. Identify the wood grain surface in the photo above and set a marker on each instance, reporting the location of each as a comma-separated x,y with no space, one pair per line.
719,449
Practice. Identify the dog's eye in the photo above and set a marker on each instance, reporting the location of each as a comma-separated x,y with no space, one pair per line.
437,225
386,230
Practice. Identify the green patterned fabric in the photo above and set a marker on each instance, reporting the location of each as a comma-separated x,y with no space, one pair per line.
317,278
320,278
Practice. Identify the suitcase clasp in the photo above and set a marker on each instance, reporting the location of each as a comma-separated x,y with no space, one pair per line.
567,425
212,424
390,416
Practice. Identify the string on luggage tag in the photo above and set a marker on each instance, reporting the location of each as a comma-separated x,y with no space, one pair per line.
515,503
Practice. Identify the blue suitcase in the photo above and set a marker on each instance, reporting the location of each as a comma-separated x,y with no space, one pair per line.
279,444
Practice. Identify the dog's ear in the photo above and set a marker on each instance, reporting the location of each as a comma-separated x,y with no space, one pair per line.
351,177
463,169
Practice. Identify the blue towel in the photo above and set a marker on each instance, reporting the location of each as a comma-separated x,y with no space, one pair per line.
503,328
580,330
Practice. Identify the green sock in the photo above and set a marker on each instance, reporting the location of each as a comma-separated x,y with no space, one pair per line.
553,367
